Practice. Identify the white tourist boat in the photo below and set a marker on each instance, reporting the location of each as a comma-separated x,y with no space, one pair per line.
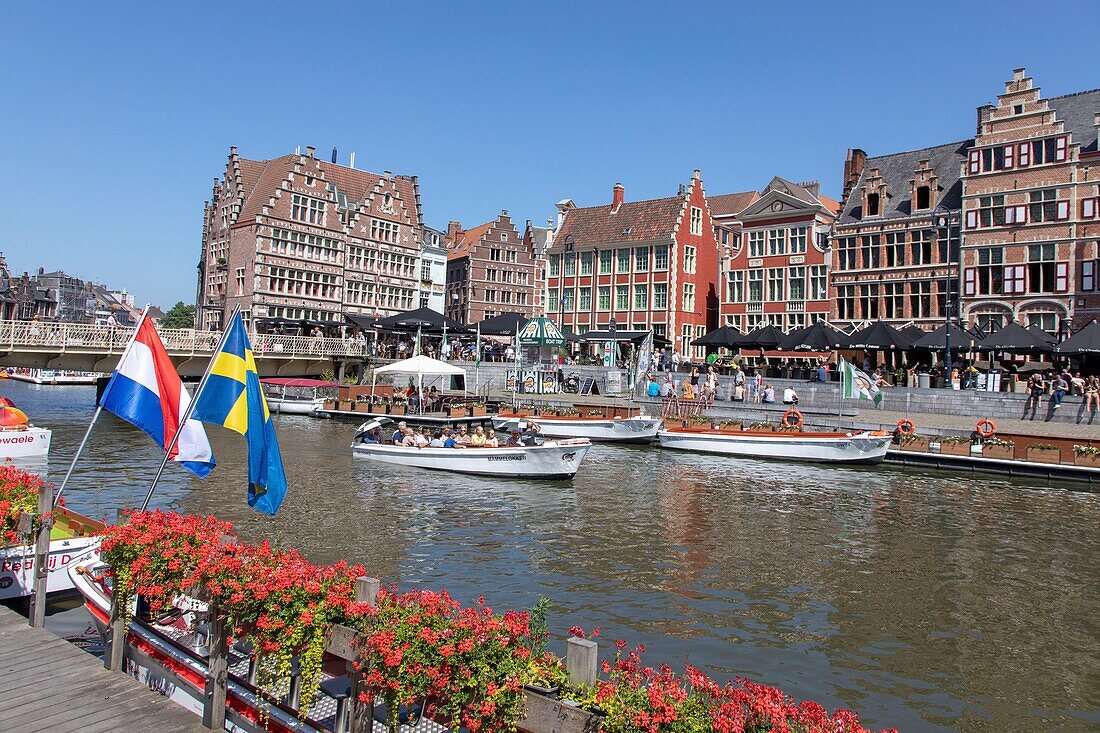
24,441
56,377
639,429
297,396
72,537
558,459
855,447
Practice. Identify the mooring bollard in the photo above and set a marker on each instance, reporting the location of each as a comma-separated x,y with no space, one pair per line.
582,661
213,709
362,714
37,616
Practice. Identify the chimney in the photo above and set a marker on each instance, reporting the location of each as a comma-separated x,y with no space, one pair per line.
333,154
695,175
232,149
812,187
853,169
454,231
504,213
984,113
616,197
351,162
310,150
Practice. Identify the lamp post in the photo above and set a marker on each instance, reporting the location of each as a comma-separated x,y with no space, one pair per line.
941,219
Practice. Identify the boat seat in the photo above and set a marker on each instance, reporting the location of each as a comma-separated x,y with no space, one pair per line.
339,688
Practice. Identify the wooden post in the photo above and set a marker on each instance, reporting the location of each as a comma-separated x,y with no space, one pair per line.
361,714
213,708
116,632
42,556
582,661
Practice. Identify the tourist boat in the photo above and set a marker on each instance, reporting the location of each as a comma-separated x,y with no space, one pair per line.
639,429
171,656
23,442
855,447
72,536
550,460
297,396
54,376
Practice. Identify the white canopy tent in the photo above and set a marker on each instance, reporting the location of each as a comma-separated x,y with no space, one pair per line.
419,365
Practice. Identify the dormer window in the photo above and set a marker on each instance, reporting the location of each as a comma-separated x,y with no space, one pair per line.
872,204
924,197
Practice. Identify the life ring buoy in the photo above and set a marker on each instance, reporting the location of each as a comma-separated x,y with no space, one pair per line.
986,428
906,427
797,418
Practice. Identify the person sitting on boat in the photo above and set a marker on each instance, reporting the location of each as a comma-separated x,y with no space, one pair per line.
769,394
463,437
409,441
491,439
437,441
790,397
478,438
515,439
449,439
399,434
423,438
371,437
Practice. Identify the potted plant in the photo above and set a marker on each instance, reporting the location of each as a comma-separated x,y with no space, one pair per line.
700,421
568,411
478,409
344,405
762,426
730,426
1044,453
398,406
1086,455
955,445
595,412
1004,450
457,411
915,443
362,403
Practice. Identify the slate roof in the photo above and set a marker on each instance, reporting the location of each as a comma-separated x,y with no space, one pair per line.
729,204
898,169
1078,112
635,221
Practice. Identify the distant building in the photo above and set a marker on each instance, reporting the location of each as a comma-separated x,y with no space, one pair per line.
301,239
539,239
1031,183
895,250
433,270
490,270
650,265
775,260
75,302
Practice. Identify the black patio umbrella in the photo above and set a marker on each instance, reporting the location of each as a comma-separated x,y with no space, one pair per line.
1014,338
935,341
724,336
1040,335
765,337
506,324
913,331
880,335
1085,341
818,337
364,322
421,318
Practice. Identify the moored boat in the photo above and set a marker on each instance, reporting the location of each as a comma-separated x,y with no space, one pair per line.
72,536
24,441
297,396
853,447
638,429
54,377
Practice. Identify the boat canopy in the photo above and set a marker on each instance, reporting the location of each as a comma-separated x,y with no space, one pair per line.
297,382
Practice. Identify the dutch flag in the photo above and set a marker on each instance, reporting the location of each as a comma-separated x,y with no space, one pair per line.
146,392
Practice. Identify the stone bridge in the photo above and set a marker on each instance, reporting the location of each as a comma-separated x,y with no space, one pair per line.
83,347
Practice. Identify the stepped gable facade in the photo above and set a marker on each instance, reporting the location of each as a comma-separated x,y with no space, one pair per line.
491,269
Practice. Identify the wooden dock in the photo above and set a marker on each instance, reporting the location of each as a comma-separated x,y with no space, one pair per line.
47,684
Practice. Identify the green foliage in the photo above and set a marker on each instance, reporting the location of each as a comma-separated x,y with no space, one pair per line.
180,315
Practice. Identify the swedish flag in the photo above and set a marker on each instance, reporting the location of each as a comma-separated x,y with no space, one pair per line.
233,399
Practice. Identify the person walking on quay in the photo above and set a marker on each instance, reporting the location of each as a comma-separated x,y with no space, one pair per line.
1035,389
675,361
758,387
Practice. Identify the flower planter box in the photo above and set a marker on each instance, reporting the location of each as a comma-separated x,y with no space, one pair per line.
1044,455
546,713
397,409
955,449
761,428
1002,452
1088,460
330,404
734,428
345,405
457,412
917,445
478,411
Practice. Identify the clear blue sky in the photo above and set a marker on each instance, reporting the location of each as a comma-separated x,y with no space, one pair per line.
116,119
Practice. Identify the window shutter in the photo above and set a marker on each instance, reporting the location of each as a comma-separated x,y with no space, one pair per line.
1021,214
1008,285
1025,154
975,161
970,278
1088,208
1061,277
1008,155
1010,215
1061,145
1062,210
972,219
1088,275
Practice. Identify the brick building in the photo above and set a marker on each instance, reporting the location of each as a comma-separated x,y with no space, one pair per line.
298,238
1031,219
895,244
491,270
775,265
647,264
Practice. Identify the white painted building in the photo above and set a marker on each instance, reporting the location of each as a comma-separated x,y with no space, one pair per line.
432,266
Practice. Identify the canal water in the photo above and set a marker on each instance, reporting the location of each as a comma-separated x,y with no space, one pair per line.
921,601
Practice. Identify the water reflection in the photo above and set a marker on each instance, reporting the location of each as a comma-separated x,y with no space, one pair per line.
922,601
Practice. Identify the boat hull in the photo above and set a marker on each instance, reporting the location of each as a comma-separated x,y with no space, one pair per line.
864,447
552,460
54,377
620,430
25,443
294,407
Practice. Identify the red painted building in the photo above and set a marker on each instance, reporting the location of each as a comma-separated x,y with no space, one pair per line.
775,256
650,265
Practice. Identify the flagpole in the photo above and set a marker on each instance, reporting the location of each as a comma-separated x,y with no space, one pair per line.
515,394
190,408
840,392
98,410
477,361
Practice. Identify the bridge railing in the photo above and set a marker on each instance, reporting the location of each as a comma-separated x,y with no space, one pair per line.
81,337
